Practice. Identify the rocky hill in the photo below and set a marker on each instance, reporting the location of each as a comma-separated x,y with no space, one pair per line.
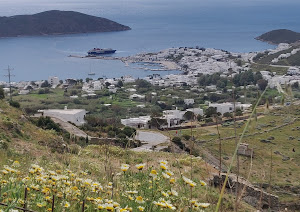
56,22
280,36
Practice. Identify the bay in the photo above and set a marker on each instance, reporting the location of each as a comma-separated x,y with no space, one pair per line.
231,25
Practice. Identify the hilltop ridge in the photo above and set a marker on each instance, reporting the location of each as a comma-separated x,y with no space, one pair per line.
56,22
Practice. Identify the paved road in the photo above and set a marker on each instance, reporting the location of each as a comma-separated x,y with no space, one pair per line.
150,139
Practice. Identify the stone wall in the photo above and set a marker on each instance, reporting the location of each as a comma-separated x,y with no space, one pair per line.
255,197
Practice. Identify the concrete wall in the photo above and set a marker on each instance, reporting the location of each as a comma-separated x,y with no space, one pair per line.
76,118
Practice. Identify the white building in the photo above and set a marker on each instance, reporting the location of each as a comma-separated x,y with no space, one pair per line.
173,117
293,71
97,85
53,81
23,92
136,96
196,111
229,107
75,116
112,88
140,122
189,101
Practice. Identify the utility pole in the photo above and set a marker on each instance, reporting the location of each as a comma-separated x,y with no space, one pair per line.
9,75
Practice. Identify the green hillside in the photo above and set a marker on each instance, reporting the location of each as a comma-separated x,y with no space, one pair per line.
280,36
56,22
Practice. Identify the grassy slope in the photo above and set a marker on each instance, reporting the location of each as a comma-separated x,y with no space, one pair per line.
98,161
283,172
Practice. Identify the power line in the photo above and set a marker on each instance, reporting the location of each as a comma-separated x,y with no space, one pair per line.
9,75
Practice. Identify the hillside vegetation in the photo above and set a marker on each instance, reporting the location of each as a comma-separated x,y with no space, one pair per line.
280,36
103,178
56,22
275,139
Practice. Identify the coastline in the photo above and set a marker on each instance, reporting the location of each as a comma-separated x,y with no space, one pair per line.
166,65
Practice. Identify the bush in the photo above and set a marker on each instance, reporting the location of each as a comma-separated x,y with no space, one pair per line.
14,104
128,131
47,124
228,115
177,141
208,120
121,135
74,149
2,96
3,145
186,137
111,134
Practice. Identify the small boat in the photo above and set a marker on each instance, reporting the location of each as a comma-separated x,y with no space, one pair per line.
98,51
92,73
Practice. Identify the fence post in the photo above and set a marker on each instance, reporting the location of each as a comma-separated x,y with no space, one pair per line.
52,209
83,203
25,199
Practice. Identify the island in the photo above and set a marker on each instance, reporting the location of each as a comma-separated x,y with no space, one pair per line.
280,36
56,22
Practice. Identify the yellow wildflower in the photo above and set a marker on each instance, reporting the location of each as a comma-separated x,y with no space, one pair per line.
139,199
66,205
124,167
202,183
141,208
140,166
153,173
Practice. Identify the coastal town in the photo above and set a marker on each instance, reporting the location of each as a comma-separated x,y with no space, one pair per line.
154,106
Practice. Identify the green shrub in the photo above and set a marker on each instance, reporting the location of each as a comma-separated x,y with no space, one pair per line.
186,137
177,141
14,104
3,145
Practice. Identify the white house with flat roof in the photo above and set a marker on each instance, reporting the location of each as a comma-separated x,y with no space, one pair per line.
173,117
189,101
136,96
229,107
75,116
141,122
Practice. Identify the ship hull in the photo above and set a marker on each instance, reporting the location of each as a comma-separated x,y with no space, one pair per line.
101,52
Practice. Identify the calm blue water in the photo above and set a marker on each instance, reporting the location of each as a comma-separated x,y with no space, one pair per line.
156,24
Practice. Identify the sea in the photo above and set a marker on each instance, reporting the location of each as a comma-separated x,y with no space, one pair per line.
156,25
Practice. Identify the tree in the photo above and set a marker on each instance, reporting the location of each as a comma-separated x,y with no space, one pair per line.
158,122
129,131
257,77
210,111
45,84
88,79
73,92
296,85
262,84
120,84
189,115
107,84
2,96
239,62
142,84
